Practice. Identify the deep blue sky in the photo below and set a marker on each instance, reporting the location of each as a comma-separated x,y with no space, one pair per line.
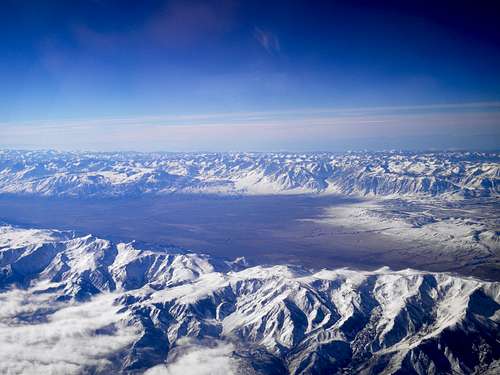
191,75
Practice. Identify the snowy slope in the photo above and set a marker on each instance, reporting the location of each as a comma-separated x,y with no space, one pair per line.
51,173
117,308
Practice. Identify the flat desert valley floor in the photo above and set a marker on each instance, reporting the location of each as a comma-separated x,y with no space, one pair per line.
264,229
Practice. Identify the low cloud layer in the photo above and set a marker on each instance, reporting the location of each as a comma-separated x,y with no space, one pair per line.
200,359
65,342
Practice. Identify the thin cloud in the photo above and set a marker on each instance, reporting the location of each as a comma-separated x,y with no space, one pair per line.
267,40
254,130
198,118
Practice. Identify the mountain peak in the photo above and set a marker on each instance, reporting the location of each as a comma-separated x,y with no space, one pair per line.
300,321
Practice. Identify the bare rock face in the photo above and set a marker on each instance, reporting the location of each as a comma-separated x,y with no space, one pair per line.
123,309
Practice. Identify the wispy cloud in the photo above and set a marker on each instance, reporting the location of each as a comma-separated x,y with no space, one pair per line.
267,40
235,117
255,130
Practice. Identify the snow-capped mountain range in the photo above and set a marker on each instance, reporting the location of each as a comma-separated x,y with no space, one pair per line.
50,173
86,305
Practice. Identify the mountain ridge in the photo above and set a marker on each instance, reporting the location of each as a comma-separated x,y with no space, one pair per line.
50,173
273,318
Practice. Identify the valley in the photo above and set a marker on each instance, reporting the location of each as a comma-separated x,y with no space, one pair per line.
291,229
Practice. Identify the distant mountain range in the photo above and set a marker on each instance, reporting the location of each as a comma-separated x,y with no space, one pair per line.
50,173
139,306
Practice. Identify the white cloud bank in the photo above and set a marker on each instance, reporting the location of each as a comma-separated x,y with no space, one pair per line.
63,344
198,359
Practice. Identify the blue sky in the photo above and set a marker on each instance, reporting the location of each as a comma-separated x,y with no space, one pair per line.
253,75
